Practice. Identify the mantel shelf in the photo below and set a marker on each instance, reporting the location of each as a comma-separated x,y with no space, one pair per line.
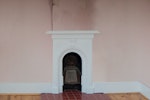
73,32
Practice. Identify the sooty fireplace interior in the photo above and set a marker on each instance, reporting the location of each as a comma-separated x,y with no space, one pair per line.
72,71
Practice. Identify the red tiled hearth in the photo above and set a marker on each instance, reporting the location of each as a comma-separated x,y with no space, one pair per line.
74,95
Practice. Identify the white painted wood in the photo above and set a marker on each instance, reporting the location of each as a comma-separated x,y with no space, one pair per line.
25,88
145,90
79,42
73,32
116,87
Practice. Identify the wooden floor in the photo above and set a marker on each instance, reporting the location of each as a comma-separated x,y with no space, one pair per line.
127,96
20,97
119,96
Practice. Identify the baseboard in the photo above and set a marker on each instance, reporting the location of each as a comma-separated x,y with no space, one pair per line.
116,87
145,90
25,88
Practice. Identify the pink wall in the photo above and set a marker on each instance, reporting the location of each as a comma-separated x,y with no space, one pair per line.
71,15
121,52
25,49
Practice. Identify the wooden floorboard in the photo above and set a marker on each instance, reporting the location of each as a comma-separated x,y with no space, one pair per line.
113,96
20,97
127,96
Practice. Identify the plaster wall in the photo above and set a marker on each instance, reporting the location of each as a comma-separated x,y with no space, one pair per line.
120,53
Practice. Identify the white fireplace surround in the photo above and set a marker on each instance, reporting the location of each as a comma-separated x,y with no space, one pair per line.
79,42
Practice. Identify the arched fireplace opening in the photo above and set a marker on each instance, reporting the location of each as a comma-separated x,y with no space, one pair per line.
72,71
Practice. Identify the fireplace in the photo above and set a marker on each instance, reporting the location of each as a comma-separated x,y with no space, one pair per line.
72,43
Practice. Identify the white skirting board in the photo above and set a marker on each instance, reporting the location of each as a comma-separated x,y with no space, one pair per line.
99,87
116,87
145,90
25,88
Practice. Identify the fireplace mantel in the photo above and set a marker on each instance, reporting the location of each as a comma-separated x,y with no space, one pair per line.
79,42
83,32
73,34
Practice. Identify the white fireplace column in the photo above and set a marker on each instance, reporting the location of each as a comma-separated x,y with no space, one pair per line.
79,42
